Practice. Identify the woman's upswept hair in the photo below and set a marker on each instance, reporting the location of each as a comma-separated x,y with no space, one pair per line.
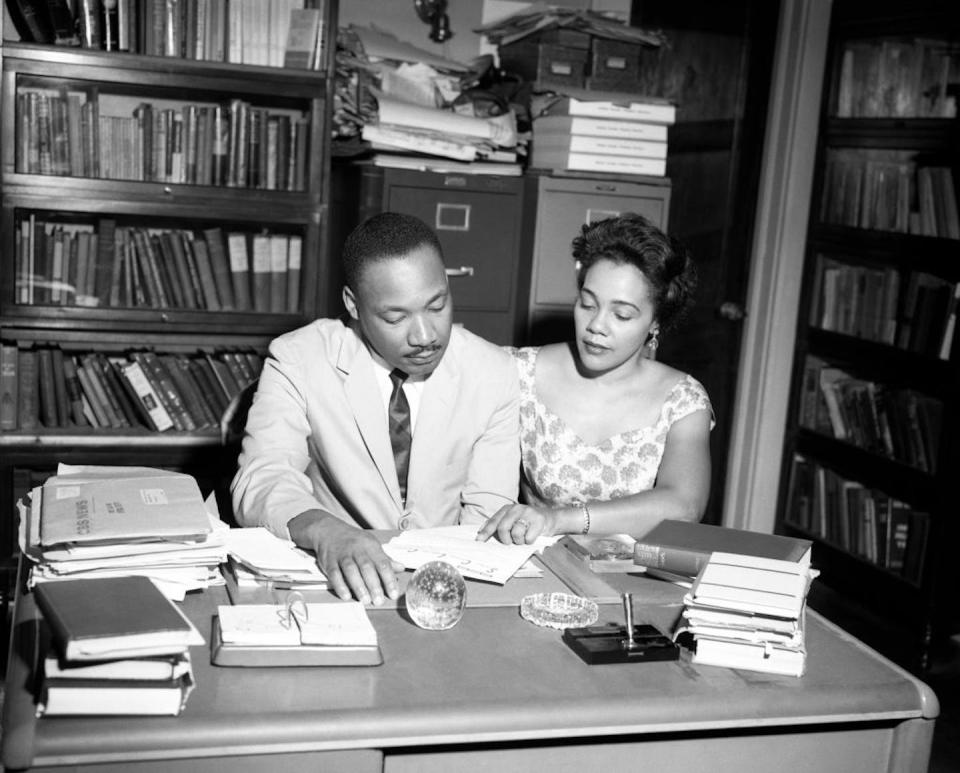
632,239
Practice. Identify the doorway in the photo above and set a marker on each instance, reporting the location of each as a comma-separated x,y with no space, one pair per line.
717,69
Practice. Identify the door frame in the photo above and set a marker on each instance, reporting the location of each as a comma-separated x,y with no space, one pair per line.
776,267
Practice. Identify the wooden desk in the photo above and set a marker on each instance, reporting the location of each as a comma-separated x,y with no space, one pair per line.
498,693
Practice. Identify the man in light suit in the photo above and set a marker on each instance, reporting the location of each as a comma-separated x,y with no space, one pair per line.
317,463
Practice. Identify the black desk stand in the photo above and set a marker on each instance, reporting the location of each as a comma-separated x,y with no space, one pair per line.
628,643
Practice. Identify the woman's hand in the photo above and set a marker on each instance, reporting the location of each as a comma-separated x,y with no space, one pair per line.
518,525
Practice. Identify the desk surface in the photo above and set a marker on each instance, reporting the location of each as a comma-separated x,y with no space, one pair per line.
494,677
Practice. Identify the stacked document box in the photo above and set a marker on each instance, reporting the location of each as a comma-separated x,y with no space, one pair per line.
607,132
748,612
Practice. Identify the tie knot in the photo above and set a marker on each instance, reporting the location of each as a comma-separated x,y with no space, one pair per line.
397,376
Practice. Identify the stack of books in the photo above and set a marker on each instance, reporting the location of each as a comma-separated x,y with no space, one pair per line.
596,131
747,612
119,521
120,647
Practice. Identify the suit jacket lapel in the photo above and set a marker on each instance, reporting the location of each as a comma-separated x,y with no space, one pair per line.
366,402
434,420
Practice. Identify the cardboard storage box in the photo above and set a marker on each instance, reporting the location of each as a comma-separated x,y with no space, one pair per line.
614,65
545,64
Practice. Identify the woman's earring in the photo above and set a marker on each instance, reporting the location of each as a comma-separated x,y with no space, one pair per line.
654,340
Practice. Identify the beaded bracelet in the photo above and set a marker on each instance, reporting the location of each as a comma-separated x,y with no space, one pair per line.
586,517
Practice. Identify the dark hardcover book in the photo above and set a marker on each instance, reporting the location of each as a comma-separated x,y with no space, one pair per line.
223,376
207,384
915,554
28,382
201,254
168,271
112,617
89,22
60,386
238,250
164,386
208,407
62,22
683,547
31,20
97,408
221,267
192,402
9,365
128,405
48,396
103,273
101,391
172,246
74,391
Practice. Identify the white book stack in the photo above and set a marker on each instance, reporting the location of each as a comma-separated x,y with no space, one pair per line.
747,612
602,132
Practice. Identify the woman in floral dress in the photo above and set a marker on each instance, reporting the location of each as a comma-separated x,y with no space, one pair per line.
612,440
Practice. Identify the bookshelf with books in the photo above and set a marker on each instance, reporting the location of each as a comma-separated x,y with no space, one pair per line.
160,204
871,443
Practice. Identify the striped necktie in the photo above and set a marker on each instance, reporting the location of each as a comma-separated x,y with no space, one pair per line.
400,432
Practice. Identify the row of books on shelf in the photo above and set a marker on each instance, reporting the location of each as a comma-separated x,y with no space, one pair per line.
103,264
899,424
601,132
272,33
865,301
898,77
888,190
69,133
858,519
43,386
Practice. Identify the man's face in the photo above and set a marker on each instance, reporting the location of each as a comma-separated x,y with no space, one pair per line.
404,310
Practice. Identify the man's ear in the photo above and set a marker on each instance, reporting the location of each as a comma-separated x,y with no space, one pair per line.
350,303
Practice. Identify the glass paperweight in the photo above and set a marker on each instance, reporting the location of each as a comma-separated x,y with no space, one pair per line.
436,596
559,610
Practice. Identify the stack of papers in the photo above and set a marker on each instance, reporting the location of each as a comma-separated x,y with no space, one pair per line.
748,612
492,560
259,557
119,521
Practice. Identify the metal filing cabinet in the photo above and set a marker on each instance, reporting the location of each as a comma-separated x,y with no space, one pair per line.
562,205
479,220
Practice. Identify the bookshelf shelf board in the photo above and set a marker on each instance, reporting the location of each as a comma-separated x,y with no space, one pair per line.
64,61
906,251
102,438
826,553
83,194
899,480
912,133
889,364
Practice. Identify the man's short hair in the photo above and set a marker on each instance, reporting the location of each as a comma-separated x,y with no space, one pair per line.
383,236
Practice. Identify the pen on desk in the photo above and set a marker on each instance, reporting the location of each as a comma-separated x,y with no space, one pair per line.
628,619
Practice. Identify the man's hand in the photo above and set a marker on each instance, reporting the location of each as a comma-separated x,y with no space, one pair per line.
351,558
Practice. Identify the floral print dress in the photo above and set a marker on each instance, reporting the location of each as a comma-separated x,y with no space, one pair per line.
562,469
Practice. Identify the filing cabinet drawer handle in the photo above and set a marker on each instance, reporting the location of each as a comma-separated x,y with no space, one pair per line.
462,271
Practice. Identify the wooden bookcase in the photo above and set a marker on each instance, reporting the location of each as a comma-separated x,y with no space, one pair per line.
871,445
282,204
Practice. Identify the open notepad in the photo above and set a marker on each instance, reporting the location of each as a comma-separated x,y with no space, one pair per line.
295,634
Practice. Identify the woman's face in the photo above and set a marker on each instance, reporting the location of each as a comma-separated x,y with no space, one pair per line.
613,315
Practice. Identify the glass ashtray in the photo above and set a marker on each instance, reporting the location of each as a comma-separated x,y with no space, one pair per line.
559,610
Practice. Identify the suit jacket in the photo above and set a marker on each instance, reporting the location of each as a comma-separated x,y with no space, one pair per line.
316,436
